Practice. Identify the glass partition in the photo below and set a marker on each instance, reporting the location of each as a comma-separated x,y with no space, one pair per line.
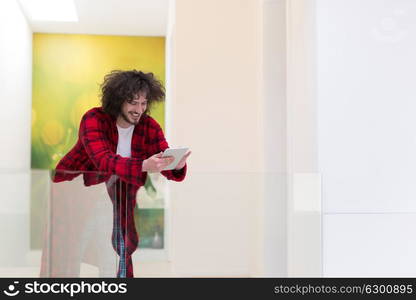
92,224
94,218
79,226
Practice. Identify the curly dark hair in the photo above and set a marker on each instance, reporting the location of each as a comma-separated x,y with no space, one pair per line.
120,86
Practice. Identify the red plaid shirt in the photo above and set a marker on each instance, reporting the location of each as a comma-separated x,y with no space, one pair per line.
96,151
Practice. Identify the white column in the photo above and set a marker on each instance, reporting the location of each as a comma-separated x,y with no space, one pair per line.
304,200
274,218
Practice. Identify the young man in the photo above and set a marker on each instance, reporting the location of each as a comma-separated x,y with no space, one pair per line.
122,143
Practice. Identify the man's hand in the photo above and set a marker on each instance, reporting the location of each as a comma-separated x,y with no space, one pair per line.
182,163
156,163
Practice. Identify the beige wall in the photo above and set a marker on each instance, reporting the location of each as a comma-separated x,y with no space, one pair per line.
216,111
216,91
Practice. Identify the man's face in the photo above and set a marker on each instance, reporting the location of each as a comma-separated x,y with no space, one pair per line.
131,111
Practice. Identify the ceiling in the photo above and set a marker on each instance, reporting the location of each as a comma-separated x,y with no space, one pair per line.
113,17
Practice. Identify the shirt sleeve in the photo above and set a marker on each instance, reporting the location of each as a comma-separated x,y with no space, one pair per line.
157,144
97,145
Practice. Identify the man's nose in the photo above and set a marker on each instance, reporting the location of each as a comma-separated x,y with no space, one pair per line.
139,109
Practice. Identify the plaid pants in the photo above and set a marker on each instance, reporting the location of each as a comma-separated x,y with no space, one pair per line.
125,239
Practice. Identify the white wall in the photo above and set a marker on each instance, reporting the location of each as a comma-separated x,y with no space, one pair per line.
15,116
366,92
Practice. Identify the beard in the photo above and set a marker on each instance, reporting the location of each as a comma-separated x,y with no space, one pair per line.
130,119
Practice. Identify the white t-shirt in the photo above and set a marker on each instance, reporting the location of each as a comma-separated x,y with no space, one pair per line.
124,140
123,146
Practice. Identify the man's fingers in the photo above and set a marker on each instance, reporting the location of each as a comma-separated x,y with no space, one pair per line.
158,159
168,159
160,163
164,162
186,155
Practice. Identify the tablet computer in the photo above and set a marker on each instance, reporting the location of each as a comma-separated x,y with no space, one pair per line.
177,153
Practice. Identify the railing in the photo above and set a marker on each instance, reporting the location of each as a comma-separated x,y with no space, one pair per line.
214,223
93,218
